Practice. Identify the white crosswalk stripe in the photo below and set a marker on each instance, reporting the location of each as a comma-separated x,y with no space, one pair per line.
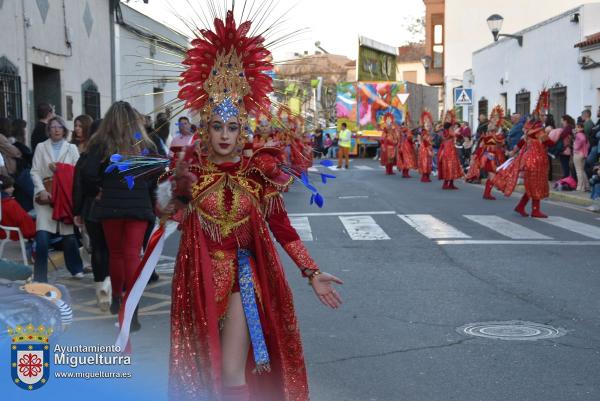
313,169
506,227
580,228
363,228
364,167
432,227
302,226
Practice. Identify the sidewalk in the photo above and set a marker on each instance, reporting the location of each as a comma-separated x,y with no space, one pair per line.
12,252
576,198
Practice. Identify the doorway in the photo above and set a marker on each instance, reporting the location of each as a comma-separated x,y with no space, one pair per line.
46,87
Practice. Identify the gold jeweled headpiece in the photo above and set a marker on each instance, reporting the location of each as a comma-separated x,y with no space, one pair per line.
227,72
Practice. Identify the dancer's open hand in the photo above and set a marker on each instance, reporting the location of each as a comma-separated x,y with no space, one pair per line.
322,284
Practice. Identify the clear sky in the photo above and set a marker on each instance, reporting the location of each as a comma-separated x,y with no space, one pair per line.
335,23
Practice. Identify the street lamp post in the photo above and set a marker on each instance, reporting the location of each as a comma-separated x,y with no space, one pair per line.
494,22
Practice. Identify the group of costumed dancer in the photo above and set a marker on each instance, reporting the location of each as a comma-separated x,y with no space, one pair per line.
234,331
283,131
528,160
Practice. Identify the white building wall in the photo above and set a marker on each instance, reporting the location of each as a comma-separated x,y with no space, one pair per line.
413,66
137,75
590,78
548,58
43,42
466,30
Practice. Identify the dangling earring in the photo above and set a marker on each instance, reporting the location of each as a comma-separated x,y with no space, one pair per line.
239,144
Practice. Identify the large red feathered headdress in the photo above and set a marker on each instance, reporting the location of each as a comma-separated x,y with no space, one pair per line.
227,71
543,103
497,114
450,117
426,117
387,116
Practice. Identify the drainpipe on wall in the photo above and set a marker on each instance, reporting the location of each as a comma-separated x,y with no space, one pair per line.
113,82
30,113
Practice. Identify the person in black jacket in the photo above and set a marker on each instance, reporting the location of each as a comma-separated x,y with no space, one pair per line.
160,134
23,184
125,212
84,195
44,113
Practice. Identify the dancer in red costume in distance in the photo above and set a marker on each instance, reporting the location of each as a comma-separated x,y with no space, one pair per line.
449,167
532,161
490,152
426,147
234,334
292,138
389,144
407,156
263,135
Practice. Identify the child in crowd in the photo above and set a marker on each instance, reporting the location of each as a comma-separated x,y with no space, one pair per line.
13,215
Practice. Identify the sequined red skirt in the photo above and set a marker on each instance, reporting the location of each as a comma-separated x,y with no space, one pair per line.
407,157
425,160
535,170
449,167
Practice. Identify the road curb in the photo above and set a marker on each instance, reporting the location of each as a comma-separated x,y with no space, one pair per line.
564,197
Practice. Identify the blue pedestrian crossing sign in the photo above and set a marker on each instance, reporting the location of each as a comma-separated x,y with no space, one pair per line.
463,96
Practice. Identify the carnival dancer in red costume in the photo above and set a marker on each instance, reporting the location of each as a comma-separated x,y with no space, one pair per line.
300,153
234,333
263,135
426,147
407,156
389,144
490,152
449,167
531,160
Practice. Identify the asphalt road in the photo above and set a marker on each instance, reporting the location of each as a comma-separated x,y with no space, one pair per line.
410,283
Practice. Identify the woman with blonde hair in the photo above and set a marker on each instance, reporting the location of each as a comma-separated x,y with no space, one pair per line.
124,209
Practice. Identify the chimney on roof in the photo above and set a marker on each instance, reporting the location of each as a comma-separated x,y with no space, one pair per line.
318,53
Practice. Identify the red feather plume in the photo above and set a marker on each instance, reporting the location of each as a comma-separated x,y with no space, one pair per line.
543,102
425,116
201,57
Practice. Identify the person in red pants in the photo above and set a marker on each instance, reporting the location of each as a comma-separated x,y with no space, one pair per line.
531,161
124,210
389,144
449,167
425,148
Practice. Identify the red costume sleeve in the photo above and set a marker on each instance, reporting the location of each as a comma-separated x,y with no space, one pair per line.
285,234
549,143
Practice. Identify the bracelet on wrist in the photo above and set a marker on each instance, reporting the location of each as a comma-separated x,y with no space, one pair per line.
313,275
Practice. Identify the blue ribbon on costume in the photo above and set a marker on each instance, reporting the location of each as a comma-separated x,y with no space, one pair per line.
490,156
259,347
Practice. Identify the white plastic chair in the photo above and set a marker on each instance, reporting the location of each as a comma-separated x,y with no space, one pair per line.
7,230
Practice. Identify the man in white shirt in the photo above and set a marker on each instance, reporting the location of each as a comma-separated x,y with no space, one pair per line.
185,137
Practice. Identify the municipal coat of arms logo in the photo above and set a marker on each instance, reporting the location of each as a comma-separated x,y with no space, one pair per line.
30,356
